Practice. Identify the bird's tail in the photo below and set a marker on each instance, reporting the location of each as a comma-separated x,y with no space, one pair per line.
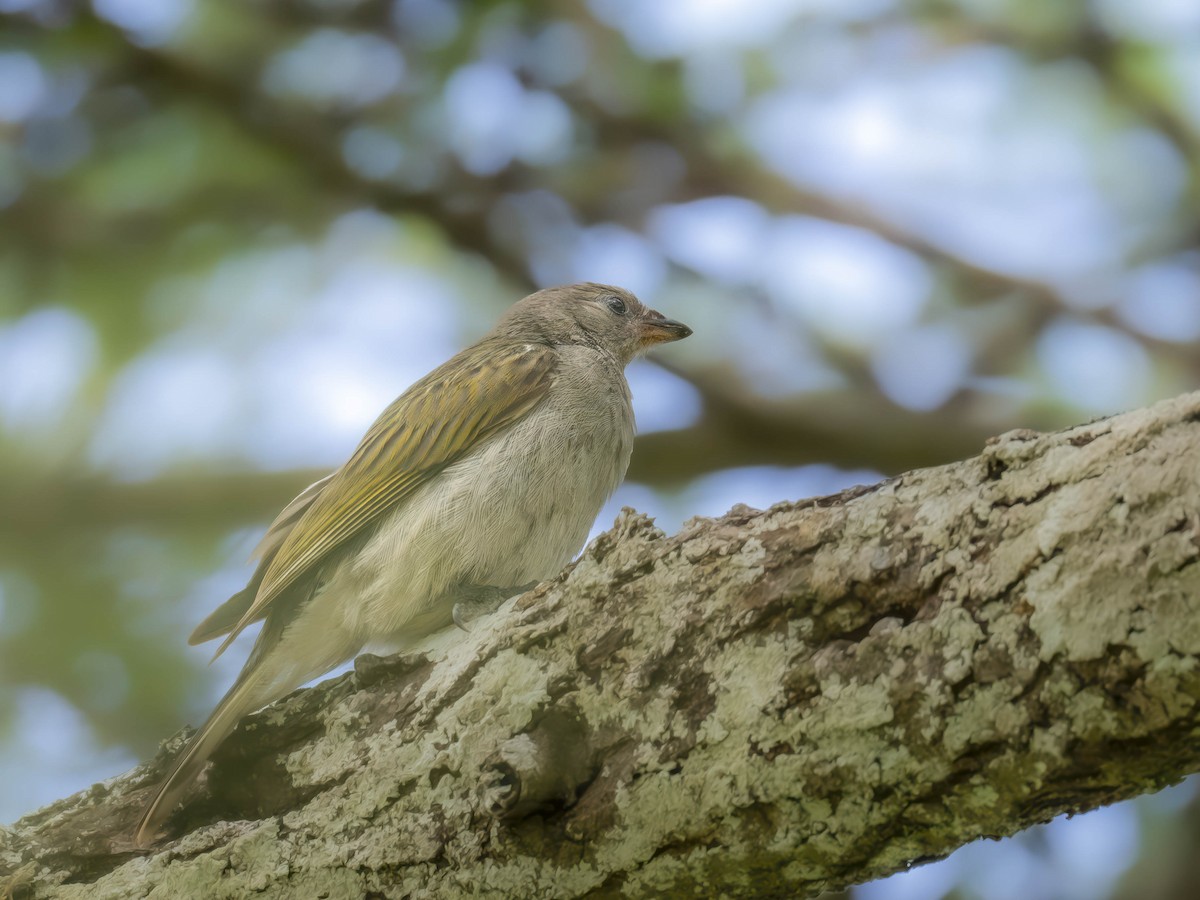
245,696
289,651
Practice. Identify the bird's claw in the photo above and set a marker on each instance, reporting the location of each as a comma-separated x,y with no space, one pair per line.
483,599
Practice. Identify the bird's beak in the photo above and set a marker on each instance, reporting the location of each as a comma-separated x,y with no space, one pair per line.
655,328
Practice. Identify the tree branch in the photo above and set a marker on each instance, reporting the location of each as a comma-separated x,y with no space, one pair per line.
732,431
771,703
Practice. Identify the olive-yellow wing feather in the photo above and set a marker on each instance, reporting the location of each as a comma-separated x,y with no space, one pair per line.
227,616
436,422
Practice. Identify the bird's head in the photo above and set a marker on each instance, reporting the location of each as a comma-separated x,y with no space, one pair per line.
599,315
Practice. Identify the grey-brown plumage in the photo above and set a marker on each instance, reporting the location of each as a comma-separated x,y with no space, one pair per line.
481,479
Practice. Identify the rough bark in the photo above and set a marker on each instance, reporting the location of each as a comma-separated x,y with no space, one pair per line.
766,704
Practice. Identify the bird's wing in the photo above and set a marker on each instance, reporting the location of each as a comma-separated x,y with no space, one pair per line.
437,421
226,616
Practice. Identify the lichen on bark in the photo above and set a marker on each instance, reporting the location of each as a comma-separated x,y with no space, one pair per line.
768,703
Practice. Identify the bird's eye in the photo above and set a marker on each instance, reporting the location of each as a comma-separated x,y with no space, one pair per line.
616,304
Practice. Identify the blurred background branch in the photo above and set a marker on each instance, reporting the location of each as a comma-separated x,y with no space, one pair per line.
233,231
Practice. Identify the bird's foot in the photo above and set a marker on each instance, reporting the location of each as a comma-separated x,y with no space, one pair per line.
478,600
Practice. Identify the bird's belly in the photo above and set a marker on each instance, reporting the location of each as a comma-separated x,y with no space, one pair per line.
516,511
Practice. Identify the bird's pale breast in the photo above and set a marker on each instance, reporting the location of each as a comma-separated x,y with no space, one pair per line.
514,511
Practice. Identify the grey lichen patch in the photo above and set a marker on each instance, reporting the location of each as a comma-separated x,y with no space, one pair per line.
766,704
326,758
985,716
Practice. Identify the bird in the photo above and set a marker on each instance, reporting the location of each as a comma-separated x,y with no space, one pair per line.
478,482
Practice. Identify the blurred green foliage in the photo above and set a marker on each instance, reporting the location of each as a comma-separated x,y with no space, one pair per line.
230,231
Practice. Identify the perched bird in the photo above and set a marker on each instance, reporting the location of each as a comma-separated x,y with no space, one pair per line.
479,481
